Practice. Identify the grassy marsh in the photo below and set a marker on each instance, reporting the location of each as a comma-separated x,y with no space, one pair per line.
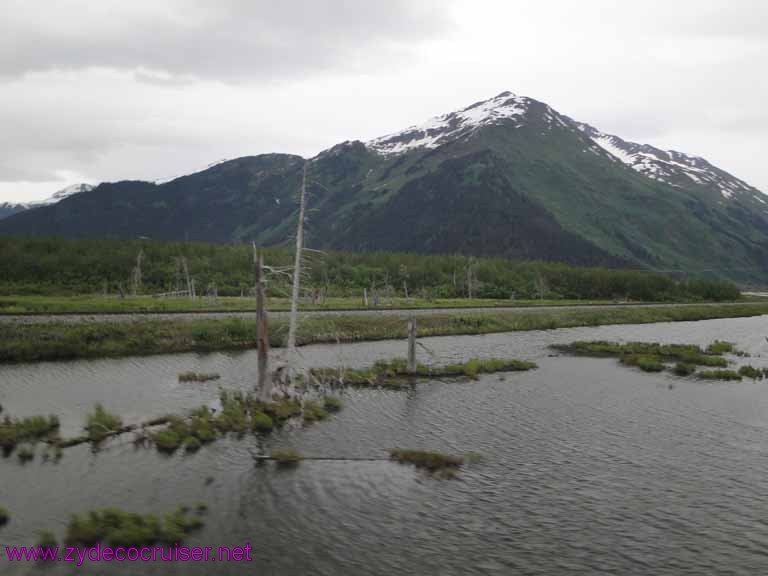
20,342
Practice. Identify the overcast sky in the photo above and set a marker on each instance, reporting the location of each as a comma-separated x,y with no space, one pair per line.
102,90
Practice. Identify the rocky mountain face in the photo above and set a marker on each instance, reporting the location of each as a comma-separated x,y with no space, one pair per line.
509,176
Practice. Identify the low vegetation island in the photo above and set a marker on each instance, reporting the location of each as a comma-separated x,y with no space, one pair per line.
680,359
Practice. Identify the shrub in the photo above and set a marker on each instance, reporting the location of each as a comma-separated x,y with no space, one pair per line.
4,516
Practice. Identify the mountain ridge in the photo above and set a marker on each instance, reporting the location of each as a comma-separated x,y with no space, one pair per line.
508,176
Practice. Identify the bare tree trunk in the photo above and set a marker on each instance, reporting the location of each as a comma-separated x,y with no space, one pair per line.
264,385
405,288
412,344
365,297
293,322
190,289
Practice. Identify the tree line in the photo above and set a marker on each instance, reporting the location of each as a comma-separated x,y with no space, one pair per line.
55,266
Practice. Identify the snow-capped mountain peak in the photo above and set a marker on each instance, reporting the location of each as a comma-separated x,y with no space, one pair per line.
506,107
61,194
668,166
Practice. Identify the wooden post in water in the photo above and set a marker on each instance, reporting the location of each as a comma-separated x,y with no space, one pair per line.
412,345
264,385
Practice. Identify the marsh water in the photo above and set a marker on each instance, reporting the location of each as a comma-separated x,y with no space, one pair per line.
588,467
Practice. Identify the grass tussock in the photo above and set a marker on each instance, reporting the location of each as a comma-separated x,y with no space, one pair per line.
21,342
332,404
25,453
752,372
101,423
314,411
286,457
115,527
684,369
198,377
433,462
644,362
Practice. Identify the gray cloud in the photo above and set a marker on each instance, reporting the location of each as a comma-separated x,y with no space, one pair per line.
223,40
104,90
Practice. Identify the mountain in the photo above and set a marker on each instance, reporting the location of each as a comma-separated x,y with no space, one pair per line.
7,209
509,176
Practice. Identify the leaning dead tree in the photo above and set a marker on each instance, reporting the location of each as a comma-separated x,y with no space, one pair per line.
294,317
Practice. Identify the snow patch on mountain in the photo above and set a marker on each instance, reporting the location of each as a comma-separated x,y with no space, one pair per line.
668,166
442,129
7,209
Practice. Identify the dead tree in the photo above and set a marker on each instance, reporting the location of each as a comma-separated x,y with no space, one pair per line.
470,276
540,285
190,283
136,273
294,317
264,384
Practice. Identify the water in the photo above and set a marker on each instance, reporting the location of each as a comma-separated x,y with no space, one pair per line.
588,467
